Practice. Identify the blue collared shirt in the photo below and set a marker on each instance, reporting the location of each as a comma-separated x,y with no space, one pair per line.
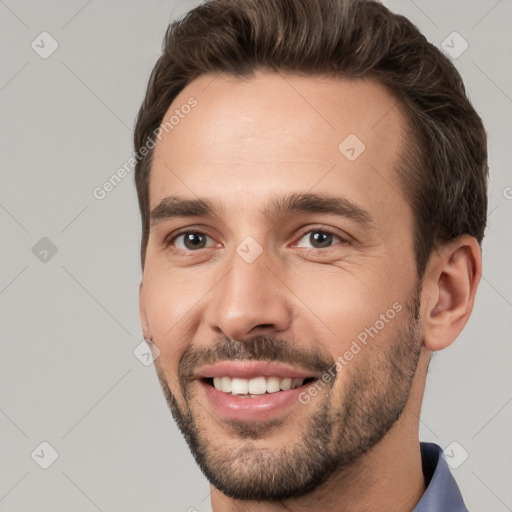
442,493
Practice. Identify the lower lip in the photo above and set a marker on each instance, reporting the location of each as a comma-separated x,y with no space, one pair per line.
245,408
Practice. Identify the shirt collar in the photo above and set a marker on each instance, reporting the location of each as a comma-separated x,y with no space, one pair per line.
442,493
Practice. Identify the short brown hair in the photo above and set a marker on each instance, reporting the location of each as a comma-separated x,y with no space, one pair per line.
444,168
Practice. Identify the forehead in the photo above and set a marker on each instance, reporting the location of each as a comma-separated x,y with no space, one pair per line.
245,138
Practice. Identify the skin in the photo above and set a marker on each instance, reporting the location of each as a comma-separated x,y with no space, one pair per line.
246,142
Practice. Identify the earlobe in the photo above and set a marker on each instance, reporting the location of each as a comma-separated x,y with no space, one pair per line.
451,281
143,315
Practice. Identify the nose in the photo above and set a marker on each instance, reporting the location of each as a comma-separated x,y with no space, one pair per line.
250,299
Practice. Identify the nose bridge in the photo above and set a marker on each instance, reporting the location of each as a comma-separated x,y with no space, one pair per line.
249,297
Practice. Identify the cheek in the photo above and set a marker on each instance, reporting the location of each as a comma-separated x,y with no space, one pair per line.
170,295
170,303
347,301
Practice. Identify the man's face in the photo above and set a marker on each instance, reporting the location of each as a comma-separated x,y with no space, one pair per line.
255,295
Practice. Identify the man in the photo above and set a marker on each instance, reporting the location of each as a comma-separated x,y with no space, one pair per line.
312,184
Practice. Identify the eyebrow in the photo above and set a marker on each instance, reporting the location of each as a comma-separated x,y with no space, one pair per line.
278,207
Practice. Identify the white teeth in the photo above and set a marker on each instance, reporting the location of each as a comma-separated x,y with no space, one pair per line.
226,384
239,386
285,384
255,386
272,385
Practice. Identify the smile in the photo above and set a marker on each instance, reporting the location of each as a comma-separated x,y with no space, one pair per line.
252,390
256,386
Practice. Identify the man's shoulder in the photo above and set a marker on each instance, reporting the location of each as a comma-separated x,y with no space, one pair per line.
442,493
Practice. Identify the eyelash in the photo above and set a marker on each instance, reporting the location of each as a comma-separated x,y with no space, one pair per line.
170,240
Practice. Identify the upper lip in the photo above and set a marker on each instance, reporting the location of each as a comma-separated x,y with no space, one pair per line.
250,369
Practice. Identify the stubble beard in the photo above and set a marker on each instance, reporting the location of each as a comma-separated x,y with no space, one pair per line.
333,438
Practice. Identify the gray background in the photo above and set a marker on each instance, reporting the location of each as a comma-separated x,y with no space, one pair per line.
69,321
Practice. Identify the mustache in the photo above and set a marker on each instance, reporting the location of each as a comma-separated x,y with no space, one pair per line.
259,348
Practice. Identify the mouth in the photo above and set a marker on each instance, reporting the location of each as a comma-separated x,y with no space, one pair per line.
252,391
256,386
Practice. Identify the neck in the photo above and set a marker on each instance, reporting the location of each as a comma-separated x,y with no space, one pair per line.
388,478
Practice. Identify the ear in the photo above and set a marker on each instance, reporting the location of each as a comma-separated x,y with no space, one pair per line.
448,291
142,314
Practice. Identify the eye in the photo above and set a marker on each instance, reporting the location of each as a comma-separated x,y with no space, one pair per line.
319,239
189,241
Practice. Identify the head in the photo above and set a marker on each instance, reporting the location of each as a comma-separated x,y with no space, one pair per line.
266,124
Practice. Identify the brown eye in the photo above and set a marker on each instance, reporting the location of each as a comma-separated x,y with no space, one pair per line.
190,241
320,239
